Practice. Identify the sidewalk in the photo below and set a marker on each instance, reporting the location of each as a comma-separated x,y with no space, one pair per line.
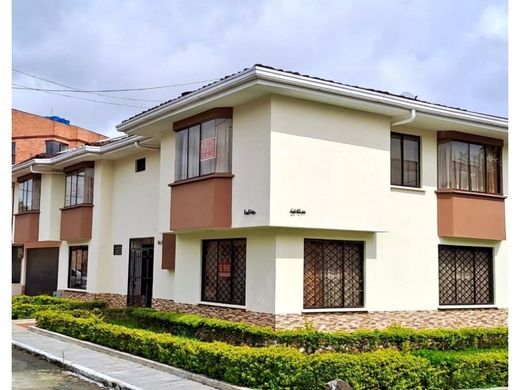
112,368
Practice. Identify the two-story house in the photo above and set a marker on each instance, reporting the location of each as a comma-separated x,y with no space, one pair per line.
276,198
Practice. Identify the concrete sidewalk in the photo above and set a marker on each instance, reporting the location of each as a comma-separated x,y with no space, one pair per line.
112,368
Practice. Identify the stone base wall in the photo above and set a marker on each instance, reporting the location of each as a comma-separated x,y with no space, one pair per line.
114,300
224,313
453,318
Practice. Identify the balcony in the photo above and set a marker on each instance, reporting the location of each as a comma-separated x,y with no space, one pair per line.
76,222
26,227
470,215
201,202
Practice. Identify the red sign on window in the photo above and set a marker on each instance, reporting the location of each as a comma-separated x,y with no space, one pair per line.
224,269
207,149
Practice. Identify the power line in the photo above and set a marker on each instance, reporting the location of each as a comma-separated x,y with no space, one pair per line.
73,89
82,98
117,90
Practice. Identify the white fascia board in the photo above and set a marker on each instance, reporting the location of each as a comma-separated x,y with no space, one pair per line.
83,151
282,79
373,96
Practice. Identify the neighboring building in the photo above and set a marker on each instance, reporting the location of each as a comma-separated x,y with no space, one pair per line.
34,135
275,198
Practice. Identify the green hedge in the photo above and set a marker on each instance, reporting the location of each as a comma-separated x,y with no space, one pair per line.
284,367
403,339
24,306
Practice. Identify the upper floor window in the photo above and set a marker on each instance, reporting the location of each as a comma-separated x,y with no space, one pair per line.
13,153
53,147
203,148
29,194
470,165
405,160
79,187
140,165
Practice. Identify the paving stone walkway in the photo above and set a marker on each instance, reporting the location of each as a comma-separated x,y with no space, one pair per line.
112,371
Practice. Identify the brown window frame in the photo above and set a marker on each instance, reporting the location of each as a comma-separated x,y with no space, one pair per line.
311,288
84,259
402,137
445,137
445,273
24,193
237,279
71,196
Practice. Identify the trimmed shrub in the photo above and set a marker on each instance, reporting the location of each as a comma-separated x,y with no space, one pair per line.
283,367
27,306
402,339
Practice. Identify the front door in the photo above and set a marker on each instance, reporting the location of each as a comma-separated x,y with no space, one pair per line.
42,271
140,272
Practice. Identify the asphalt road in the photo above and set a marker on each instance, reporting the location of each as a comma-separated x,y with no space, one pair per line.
32,373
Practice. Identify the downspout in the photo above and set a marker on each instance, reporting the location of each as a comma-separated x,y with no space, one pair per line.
137,145
404,121
31,169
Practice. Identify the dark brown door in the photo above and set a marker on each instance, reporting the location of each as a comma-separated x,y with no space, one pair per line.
42,271
140,273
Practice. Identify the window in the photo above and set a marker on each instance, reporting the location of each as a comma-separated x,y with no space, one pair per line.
79,187
333,274
469,166
224,271
13,153
465,275
53,147
78,264
29,194
118,250
203,149
140,164
405,160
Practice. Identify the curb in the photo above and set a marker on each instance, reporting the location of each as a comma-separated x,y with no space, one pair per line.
105,380
139,360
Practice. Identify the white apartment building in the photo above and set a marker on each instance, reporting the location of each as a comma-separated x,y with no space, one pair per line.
276,198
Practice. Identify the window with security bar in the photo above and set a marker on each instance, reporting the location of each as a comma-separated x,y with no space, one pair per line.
465,275
333,274
78,266
224,271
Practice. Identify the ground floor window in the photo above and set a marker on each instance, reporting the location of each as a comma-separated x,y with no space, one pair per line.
224,271
465,275
16,263
78,264
333,274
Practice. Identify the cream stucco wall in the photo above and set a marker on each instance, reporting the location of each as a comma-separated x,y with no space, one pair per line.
331,162
52,196
251,162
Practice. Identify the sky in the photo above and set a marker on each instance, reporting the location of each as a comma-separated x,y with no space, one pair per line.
452,52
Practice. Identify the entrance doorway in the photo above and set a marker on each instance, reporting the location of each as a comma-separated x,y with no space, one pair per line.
140,272
42,271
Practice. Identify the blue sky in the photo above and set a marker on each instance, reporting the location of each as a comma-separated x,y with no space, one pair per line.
448,52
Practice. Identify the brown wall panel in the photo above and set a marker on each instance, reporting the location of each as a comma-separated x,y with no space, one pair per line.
201,203
26,227
468,215
76,223
168,251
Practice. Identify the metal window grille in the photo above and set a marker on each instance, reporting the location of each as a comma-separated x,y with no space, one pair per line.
224,271
465,275
78,266
333,274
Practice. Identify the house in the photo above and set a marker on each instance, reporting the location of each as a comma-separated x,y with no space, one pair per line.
34,135
276,198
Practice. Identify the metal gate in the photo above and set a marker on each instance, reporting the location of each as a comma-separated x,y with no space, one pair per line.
140,275
42,271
